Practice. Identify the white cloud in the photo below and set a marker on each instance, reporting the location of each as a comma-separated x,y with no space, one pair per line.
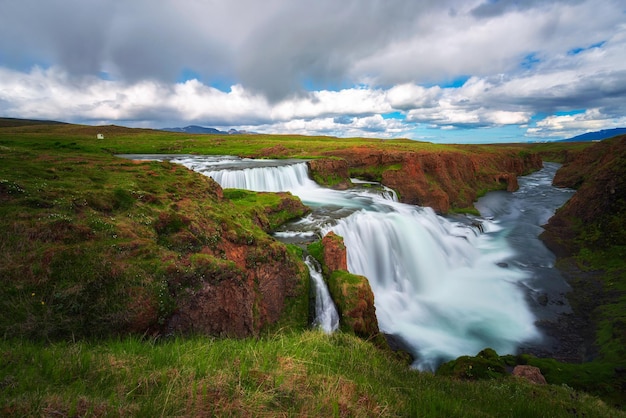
572,125
410,96
318,67
353,101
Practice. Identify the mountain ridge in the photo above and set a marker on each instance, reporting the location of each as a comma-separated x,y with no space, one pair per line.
596,135
196,129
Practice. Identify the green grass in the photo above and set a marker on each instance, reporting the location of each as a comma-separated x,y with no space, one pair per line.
269,210
302,374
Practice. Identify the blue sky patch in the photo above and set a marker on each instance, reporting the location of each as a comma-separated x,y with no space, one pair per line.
394,115
576,51
188,74
105,76
453,83
530,61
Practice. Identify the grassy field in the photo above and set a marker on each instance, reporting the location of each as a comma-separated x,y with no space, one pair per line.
285,374
87,239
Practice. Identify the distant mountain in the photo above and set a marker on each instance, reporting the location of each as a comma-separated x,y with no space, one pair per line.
195,129
14,122
596,136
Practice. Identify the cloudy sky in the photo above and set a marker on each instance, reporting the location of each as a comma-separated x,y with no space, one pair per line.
434,70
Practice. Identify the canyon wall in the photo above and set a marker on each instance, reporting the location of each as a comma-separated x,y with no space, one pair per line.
594,215
240,283
443,180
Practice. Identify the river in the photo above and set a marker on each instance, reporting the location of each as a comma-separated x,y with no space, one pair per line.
442,285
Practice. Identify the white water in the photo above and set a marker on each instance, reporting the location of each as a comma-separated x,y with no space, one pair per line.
326,316
437,284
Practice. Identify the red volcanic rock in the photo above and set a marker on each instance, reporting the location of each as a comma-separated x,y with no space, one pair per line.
444,179
241,297
335,255
510,179
330,172
224,309
530,373
351,293
355,300
599,174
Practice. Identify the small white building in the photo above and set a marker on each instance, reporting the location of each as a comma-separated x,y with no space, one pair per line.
100,136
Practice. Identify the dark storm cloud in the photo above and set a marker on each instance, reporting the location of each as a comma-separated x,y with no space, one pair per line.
277,47
133,40
321,43
34,32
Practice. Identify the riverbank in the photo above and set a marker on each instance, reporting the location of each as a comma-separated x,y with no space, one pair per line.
589,237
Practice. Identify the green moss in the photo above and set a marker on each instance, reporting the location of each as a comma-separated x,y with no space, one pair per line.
372,173
485,365
316,249
355,303
269,210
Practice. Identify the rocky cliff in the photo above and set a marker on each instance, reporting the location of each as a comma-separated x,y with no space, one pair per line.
594,215
443,180
351,293
239,280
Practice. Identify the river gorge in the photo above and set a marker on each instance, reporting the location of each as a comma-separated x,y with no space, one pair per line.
444,286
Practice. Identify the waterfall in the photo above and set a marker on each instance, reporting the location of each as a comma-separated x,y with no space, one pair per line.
326,316
444,294
279,176
441,286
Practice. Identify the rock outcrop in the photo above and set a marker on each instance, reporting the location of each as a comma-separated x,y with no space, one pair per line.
235,287
240,298
351,293
443,180
530,373
330,172
335,254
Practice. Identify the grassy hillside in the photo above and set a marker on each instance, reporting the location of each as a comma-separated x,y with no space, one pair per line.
94,245
97,253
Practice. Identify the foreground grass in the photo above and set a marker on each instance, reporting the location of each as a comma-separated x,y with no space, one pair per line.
304,374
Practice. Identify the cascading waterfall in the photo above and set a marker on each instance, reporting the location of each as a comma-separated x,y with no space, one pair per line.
246,173
444,295
326,316
440,286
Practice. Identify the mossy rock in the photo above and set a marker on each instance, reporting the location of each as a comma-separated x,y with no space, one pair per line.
485,365
355,302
